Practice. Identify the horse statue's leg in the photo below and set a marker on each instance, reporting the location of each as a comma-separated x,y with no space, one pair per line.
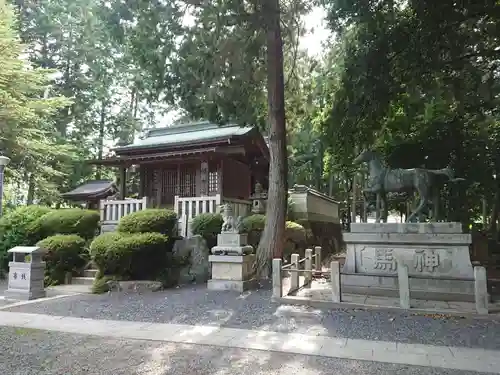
377,207
385,209
435,206
424,201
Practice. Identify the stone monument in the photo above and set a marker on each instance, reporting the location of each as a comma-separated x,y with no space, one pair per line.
26,278
436,253
232,259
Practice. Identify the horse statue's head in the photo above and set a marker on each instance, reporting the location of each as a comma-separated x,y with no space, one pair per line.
366,156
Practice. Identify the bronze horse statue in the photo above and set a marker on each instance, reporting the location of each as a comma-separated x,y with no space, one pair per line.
383,180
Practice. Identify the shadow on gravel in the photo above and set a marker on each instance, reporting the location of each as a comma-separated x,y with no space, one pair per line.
195,305
33,352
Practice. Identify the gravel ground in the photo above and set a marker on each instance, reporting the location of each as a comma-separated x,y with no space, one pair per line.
252,310
33,352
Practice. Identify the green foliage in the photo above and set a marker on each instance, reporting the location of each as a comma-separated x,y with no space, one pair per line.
132,256
84,223
14,229
208,226
295,232
100,285
65,253
28,136
150,220
254,225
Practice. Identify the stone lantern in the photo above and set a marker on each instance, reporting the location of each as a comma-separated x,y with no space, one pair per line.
26,276
259,199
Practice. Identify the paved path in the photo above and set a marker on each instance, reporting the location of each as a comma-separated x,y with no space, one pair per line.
445,357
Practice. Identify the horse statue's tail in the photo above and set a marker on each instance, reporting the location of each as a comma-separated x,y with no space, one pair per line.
448,172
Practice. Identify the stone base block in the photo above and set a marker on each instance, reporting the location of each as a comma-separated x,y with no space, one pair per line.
420,288
232,239
238,286
449,227
232,267
235,250
231,272
23,295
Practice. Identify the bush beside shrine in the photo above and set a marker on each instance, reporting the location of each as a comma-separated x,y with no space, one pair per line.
64,253
296,235
208,226
253,226
14,229
150,220
132,256
84,223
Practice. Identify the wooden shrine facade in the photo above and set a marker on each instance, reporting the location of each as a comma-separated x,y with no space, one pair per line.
193,160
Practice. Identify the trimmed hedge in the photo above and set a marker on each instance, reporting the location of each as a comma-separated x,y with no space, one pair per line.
131,256
84,223
65,253
208,226
14,229
148,221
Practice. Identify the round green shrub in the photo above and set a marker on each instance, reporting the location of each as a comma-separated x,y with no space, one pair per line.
208,226
148,221
14,229
253,226
64,253
131,256
296,235
84,223
295,232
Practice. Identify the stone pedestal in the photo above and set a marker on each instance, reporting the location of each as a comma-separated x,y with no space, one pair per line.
436,254
26,278
229,243
232,263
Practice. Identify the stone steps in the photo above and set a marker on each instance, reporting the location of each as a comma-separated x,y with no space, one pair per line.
82,280
90,273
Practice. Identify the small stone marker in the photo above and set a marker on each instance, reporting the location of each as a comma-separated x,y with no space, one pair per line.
26,278
335,281
404,286
481,290
294,275
277,280
308,267
317,260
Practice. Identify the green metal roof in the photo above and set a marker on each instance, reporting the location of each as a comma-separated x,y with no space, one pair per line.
186,133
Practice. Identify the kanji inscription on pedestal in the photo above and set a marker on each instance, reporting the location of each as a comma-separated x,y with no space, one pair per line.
384,260
427,260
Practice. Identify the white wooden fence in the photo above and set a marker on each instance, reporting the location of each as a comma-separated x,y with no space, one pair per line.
113,210
187,208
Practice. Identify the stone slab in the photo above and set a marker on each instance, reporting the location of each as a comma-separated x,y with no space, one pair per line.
232,239
421,288
24,295
235,285
436,228
237,250
409,238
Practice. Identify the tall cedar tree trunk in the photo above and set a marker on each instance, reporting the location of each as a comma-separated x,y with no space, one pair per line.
273,238
100,151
